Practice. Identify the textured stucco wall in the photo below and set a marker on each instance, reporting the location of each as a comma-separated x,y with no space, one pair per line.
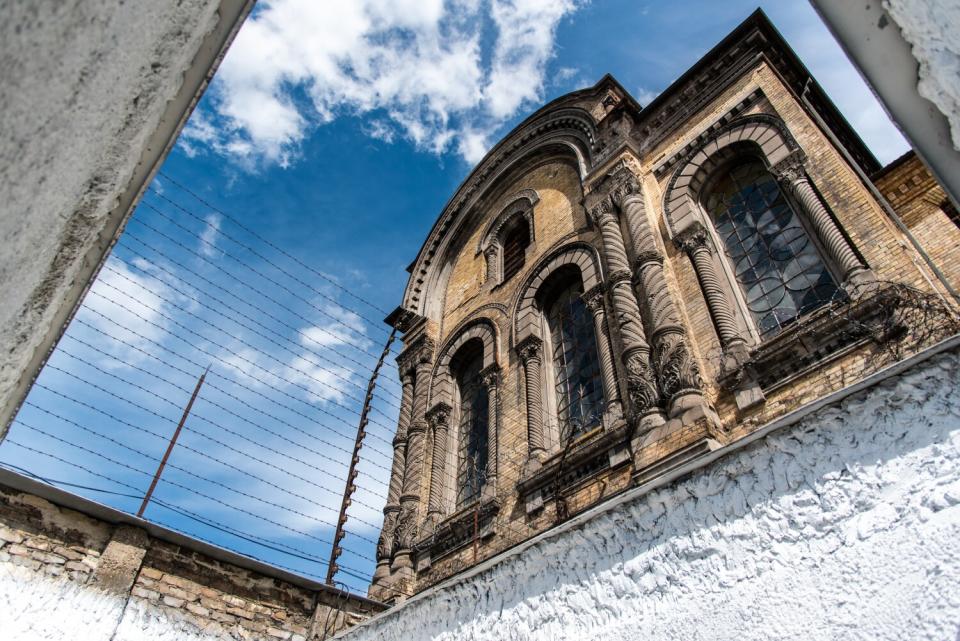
931,28
842,526
92,93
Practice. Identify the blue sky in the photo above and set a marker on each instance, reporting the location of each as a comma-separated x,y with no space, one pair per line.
277,236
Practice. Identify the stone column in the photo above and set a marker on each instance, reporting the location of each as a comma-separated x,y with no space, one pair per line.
792,176
531,354
491,379
392,509
407,525
695,242
677,372
492,255
594,300
641,382
439,420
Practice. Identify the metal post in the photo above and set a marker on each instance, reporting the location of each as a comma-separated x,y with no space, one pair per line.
336,551
173,441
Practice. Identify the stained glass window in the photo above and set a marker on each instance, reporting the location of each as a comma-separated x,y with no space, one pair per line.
579,389
472,455
515,248
774,259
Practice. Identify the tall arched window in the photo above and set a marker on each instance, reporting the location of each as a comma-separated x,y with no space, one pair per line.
515,243
774,259
579,388
472,423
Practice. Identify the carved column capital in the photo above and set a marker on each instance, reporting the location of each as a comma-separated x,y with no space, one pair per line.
791,168
693,239
490,376
593,298
625,185
439,416
530,349
602,213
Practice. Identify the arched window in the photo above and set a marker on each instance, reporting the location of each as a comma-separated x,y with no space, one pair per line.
472,423
515,243
573,343
774,259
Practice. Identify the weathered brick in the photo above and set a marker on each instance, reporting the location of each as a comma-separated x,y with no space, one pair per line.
151,573
198,610
144,593
172,601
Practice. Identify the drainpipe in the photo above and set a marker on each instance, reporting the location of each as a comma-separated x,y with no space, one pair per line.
887,207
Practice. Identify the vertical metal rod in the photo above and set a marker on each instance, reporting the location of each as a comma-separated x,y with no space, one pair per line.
173,441
336,550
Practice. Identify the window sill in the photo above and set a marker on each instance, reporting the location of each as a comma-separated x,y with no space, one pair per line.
458,531
817,338
591,454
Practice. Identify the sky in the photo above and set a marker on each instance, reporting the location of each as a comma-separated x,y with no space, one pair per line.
276,236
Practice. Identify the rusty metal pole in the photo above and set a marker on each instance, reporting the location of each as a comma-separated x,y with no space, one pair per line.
173,441
336,550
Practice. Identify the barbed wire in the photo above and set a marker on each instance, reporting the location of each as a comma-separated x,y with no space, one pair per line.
273,246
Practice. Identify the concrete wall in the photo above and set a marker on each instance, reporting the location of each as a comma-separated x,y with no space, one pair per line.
93,95
91,574
908,52
843,525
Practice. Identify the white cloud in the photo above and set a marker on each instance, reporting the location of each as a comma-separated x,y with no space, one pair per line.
418,65
135,302
645,96
208,237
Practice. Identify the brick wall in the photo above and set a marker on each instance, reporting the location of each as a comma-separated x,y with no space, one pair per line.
115,582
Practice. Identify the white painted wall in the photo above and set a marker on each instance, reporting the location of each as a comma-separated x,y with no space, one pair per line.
843,526
93,93
34,607
932,27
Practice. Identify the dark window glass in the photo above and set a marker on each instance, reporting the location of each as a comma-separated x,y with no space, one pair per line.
472,457
574,343
774,259
515,245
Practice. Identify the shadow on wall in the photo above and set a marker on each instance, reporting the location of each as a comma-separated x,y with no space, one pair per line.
843,525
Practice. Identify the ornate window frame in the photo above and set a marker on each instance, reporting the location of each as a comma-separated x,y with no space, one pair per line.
492,241
443,528
549,465
767,138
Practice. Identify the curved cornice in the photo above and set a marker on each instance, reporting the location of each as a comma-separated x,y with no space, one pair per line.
560,126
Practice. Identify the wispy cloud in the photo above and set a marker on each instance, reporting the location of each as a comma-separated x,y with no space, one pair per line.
418,65
208,237
129,305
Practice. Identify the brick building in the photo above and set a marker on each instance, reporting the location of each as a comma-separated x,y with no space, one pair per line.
617,290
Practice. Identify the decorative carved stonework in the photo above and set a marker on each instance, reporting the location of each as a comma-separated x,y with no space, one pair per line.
677,370
385,542
406,531
790,168
593,298
649,256
530,348
439,416
693,238
618,276
641,385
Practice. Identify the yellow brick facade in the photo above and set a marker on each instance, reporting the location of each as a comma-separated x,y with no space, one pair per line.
595,154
